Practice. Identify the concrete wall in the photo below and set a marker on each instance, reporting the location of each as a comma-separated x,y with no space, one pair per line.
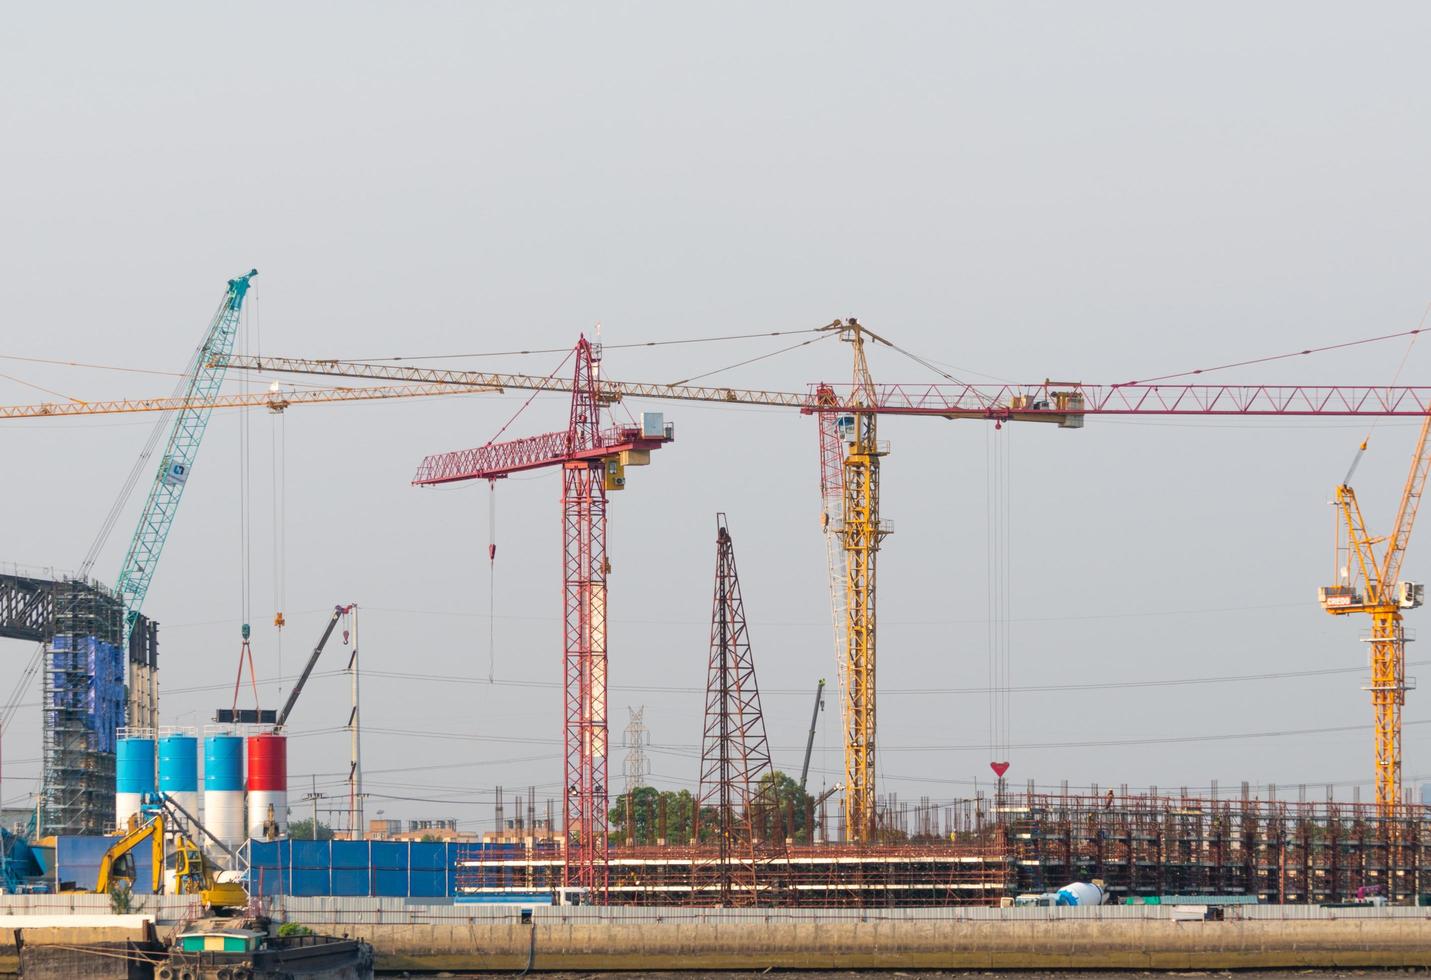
891,944
411,936
435,936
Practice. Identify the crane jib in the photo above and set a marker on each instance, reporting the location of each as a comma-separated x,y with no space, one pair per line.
176,464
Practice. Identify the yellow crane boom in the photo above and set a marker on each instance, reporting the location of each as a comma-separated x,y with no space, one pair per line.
274,399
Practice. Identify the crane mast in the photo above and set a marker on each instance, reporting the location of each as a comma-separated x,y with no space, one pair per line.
861,533
593,463
1365,585
206,375
832,502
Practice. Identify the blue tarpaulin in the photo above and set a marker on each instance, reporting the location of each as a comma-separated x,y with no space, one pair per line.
77,860
88,677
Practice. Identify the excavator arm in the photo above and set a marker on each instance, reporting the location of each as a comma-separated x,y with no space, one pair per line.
152,831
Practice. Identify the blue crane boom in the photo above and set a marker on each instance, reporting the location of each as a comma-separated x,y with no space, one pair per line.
206,375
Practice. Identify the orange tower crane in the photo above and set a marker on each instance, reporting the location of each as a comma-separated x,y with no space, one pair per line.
1365,585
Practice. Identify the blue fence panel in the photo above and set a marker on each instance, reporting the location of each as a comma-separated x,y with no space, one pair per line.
268,867
311,868
390,868
352,867
429,866
393,869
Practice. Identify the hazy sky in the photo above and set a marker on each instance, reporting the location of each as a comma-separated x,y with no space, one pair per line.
1095,192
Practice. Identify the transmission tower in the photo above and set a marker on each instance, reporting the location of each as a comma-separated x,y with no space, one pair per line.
734,751
637,737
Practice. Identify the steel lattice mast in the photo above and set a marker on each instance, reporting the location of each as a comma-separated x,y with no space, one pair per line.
734,751
861,532
593,461
832,504
584,790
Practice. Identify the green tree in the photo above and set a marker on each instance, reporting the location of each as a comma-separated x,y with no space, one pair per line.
303,830
645,815
775,790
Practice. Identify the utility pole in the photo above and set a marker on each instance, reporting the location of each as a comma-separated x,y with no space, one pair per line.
314,796
355,760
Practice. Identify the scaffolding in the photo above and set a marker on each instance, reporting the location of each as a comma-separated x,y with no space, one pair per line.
1270,849
84,702
985,850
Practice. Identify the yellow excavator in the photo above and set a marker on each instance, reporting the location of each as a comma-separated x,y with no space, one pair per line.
185,865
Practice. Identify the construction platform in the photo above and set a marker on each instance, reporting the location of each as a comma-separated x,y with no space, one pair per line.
985,850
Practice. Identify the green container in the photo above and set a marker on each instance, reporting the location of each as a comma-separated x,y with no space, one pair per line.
236,941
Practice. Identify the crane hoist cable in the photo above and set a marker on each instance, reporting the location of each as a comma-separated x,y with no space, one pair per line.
491,581
998,581
492,533
278,485
564,350
245,481
1400,367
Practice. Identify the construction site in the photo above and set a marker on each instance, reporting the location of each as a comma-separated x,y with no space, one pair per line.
744,836
519,488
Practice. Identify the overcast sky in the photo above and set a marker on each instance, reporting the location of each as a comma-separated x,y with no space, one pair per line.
1095,192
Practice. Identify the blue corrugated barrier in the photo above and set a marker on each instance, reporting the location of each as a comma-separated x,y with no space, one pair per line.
392,869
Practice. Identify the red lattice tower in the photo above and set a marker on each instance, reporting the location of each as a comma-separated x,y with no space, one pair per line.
734,751
592,462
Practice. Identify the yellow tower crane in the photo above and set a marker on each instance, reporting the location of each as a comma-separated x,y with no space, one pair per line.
860,532
1365,585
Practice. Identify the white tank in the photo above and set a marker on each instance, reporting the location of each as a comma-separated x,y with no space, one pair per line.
1080,893
224,815
262,803
126,805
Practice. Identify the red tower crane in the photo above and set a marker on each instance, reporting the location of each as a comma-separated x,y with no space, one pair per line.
593,462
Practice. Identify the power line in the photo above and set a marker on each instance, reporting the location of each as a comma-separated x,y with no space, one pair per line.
561,350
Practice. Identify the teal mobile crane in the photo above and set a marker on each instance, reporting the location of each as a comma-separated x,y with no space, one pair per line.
205,377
